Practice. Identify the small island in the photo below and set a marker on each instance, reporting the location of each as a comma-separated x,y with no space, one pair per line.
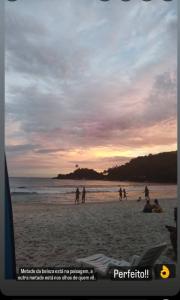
82,173
160,167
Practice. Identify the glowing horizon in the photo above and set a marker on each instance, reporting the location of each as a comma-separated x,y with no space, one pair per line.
88,85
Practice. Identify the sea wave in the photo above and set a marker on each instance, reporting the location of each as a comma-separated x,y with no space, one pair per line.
57,192
24,193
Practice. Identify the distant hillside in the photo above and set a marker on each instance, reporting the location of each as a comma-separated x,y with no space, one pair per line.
80,174
160,167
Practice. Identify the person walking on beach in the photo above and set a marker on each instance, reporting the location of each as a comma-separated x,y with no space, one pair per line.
120,194
83,195
77,196
146,193
124,194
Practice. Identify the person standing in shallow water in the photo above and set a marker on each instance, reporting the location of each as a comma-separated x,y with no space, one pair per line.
146,193
120,194
77,196
83,195
124,194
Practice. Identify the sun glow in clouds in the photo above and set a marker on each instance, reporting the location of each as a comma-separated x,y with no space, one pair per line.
89,82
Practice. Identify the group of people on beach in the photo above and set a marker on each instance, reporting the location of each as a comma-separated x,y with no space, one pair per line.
146,194
148,208
155,207
83,198
122,194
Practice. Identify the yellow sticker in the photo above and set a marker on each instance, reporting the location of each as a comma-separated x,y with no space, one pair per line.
165,272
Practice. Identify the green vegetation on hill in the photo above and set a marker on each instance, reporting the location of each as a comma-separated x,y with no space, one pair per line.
160,167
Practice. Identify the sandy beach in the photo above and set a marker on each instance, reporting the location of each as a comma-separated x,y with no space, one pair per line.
56,235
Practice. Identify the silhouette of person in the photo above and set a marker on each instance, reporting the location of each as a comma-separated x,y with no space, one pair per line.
146,193
156,207
120,194
148,207
77,196
83,195
124,194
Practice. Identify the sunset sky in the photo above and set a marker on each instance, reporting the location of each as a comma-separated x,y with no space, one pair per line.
88,82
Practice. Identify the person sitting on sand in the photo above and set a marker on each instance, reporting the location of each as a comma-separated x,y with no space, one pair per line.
156,207
77,196
83,195
148,207
120,194
139,199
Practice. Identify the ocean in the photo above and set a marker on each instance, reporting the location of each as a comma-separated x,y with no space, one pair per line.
63,191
